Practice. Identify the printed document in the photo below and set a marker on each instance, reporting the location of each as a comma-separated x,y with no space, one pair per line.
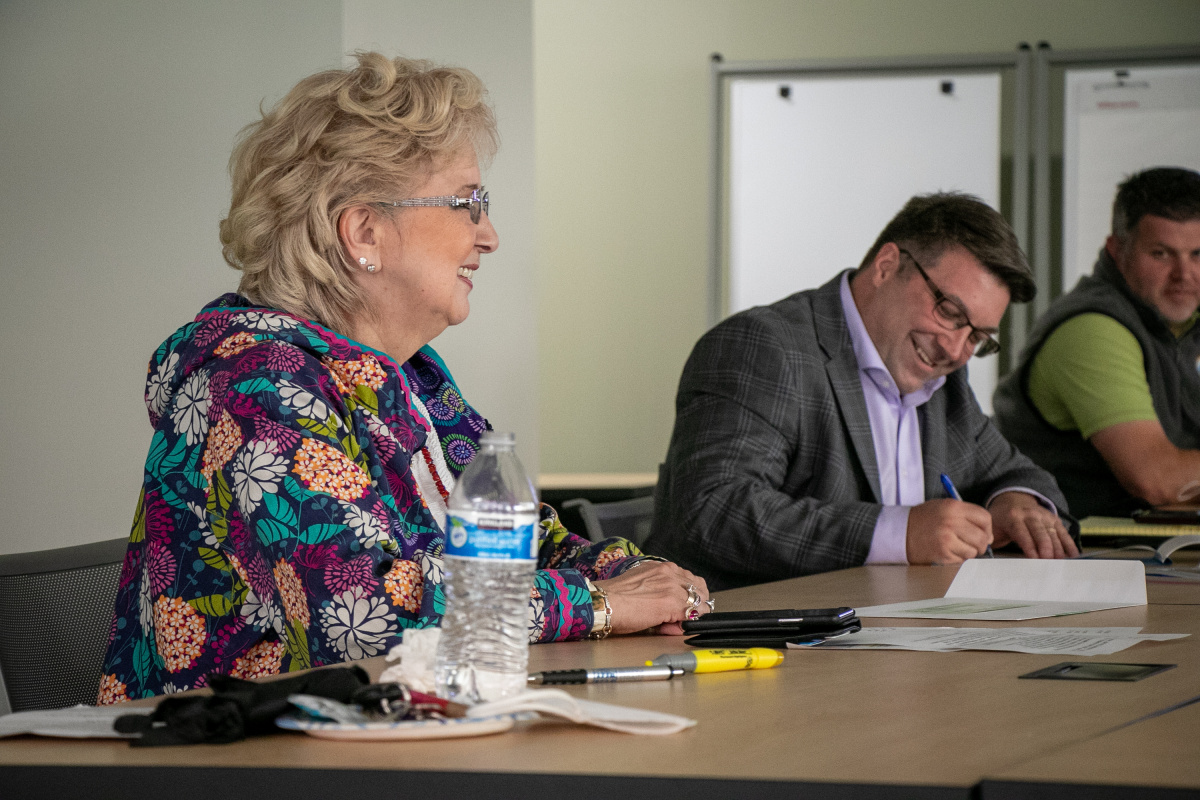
1041,641
1020,588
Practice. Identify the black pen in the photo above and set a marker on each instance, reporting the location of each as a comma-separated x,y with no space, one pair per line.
611,675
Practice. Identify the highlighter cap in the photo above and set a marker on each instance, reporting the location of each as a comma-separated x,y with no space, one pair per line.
766,657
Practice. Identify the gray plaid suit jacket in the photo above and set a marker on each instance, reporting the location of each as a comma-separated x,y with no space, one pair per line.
771,470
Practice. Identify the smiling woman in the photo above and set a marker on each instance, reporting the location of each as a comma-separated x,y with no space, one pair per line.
307,438
425,260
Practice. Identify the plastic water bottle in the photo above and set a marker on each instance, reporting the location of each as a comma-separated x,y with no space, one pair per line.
490,558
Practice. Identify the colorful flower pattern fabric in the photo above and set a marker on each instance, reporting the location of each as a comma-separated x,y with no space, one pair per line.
281,523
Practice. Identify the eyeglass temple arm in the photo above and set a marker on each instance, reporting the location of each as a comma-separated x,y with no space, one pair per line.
443,200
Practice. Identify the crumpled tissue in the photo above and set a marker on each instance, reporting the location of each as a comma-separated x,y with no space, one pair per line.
416,655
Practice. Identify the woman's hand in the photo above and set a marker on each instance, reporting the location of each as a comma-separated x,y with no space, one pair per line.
654,594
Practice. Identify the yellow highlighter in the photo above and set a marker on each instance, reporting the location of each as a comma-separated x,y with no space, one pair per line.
720,660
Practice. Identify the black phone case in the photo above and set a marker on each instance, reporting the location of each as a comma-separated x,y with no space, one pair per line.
774,637
781,619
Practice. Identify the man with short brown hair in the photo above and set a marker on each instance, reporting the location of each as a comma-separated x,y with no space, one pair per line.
1107,395
812,434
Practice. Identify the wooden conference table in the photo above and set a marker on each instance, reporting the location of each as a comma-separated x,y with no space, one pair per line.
824,724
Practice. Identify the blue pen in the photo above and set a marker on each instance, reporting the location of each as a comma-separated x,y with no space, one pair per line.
954,495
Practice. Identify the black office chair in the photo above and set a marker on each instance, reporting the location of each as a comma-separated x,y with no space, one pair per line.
55,610
629,519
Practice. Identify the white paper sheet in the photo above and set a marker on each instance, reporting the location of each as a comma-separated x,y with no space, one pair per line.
76,722
1019,589
1041,641
1178,573
557,703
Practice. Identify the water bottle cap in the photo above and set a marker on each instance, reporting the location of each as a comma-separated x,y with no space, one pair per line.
498,438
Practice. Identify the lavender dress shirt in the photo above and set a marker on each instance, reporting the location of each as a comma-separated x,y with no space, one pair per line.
896,433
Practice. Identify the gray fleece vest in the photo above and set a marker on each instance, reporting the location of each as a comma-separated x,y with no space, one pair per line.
1171,370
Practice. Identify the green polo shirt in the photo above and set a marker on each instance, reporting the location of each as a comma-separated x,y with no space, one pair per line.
1090,375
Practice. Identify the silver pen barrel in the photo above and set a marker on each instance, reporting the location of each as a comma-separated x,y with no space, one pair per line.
609,675
623,674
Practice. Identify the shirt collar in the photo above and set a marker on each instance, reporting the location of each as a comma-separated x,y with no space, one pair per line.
869,362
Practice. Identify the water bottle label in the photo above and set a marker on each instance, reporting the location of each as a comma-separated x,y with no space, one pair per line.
500,537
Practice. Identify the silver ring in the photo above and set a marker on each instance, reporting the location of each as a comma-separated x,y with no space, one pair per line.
712,604
692,609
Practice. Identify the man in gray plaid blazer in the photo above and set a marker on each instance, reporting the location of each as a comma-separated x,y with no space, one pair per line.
812,434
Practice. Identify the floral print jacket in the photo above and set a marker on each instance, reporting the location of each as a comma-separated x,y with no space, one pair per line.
293,507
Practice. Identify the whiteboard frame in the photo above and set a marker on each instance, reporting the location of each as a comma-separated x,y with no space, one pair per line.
723,72
1045,59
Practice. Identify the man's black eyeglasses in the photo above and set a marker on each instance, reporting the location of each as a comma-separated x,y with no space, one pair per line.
951,316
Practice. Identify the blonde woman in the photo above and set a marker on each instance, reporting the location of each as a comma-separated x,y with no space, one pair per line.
306,436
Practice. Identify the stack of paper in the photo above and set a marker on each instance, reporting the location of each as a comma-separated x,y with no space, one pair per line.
1042,641
1019,588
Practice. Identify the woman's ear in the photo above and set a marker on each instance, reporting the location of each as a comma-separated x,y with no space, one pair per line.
358,231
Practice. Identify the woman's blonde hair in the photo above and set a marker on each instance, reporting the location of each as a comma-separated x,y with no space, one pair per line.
340,138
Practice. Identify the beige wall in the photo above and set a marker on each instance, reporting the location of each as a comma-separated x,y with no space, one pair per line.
494,354
116,122
622,92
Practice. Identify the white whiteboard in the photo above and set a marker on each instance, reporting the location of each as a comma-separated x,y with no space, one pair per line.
1115,126
815,176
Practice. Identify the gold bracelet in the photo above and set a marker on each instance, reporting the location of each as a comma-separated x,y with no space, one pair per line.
601,625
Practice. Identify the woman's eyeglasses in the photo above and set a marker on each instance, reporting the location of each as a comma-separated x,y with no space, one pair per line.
477,203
